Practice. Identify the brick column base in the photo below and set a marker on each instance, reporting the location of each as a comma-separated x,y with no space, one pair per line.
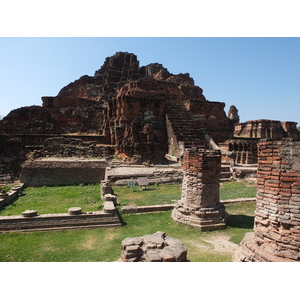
205,219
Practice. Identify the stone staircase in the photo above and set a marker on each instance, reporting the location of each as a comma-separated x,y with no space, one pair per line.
184,128
226,173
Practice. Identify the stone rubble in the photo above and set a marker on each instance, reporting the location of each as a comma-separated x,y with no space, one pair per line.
153,248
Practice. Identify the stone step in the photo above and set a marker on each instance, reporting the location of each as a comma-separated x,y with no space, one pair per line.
226,174
225,169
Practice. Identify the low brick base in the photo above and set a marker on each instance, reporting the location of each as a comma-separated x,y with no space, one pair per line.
205,219
249,251
46,222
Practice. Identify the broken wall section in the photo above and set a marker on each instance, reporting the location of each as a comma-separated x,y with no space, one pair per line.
51,172
277,216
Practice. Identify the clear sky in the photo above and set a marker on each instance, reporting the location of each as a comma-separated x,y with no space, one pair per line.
260,76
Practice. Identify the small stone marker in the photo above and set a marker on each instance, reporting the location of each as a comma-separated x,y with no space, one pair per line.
29,213
3,194
110,197
109,207
143,182
74,211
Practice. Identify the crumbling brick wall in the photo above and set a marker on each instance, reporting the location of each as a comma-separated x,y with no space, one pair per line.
51,172
277,215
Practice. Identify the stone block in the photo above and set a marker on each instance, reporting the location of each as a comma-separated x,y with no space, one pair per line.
153,248
74,211
29,213
152,256
109,207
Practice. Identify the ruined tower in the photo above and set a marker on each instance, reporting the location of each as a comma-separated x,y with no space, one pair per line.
200,204
276,235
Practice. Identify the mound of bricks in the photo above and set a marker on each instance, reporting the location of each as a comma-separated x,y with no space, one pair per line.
153,248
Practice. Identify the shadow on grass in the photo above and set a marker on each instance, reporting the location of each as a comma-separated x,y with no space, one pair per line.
123,223
241,221
12,203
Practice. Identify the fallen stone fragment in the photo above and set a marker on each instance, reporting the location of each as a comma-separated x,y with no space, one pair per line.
153,248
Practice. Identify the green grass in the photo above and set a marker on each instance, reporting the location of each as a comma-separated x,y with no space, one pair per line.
104,244
58,199
7,188
237,189
166,194
153,195
47,200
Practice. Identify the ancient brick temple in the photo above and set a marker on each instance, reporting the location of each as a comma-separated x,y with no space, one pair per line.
134,113
247,135
276,234
200,204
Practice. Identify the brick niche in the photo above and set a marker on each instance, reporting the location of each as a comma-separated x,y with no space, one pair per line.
200,204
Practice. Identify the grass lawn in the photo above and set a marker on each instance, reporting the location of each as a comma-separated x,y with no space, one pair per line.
104,244
47,200
237,189
153,195
166,194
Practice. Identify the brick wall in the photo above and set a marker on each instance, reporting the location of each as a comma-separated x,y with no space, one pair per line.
60,221
277,216
63,172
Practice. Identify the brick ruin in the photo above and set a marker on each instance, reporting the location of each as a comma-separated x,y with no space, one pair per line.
143,114
200,204
247,135
153,248
64,171
276,234
136,114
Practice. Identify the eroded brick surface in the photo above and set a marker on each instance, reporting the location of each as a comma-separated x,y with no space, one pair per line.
277,215
200,201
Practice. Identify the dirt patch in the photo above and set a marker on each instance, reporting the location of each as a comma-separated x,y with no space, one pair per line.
221,243
89,243
218,243
110,234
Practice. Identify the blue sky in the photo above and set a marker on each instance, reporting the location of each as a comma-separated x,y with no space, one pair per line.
260,76
228,55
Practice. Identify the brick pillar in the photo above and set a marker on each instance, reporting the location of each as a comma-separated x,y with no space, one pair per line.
200,205
276,234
